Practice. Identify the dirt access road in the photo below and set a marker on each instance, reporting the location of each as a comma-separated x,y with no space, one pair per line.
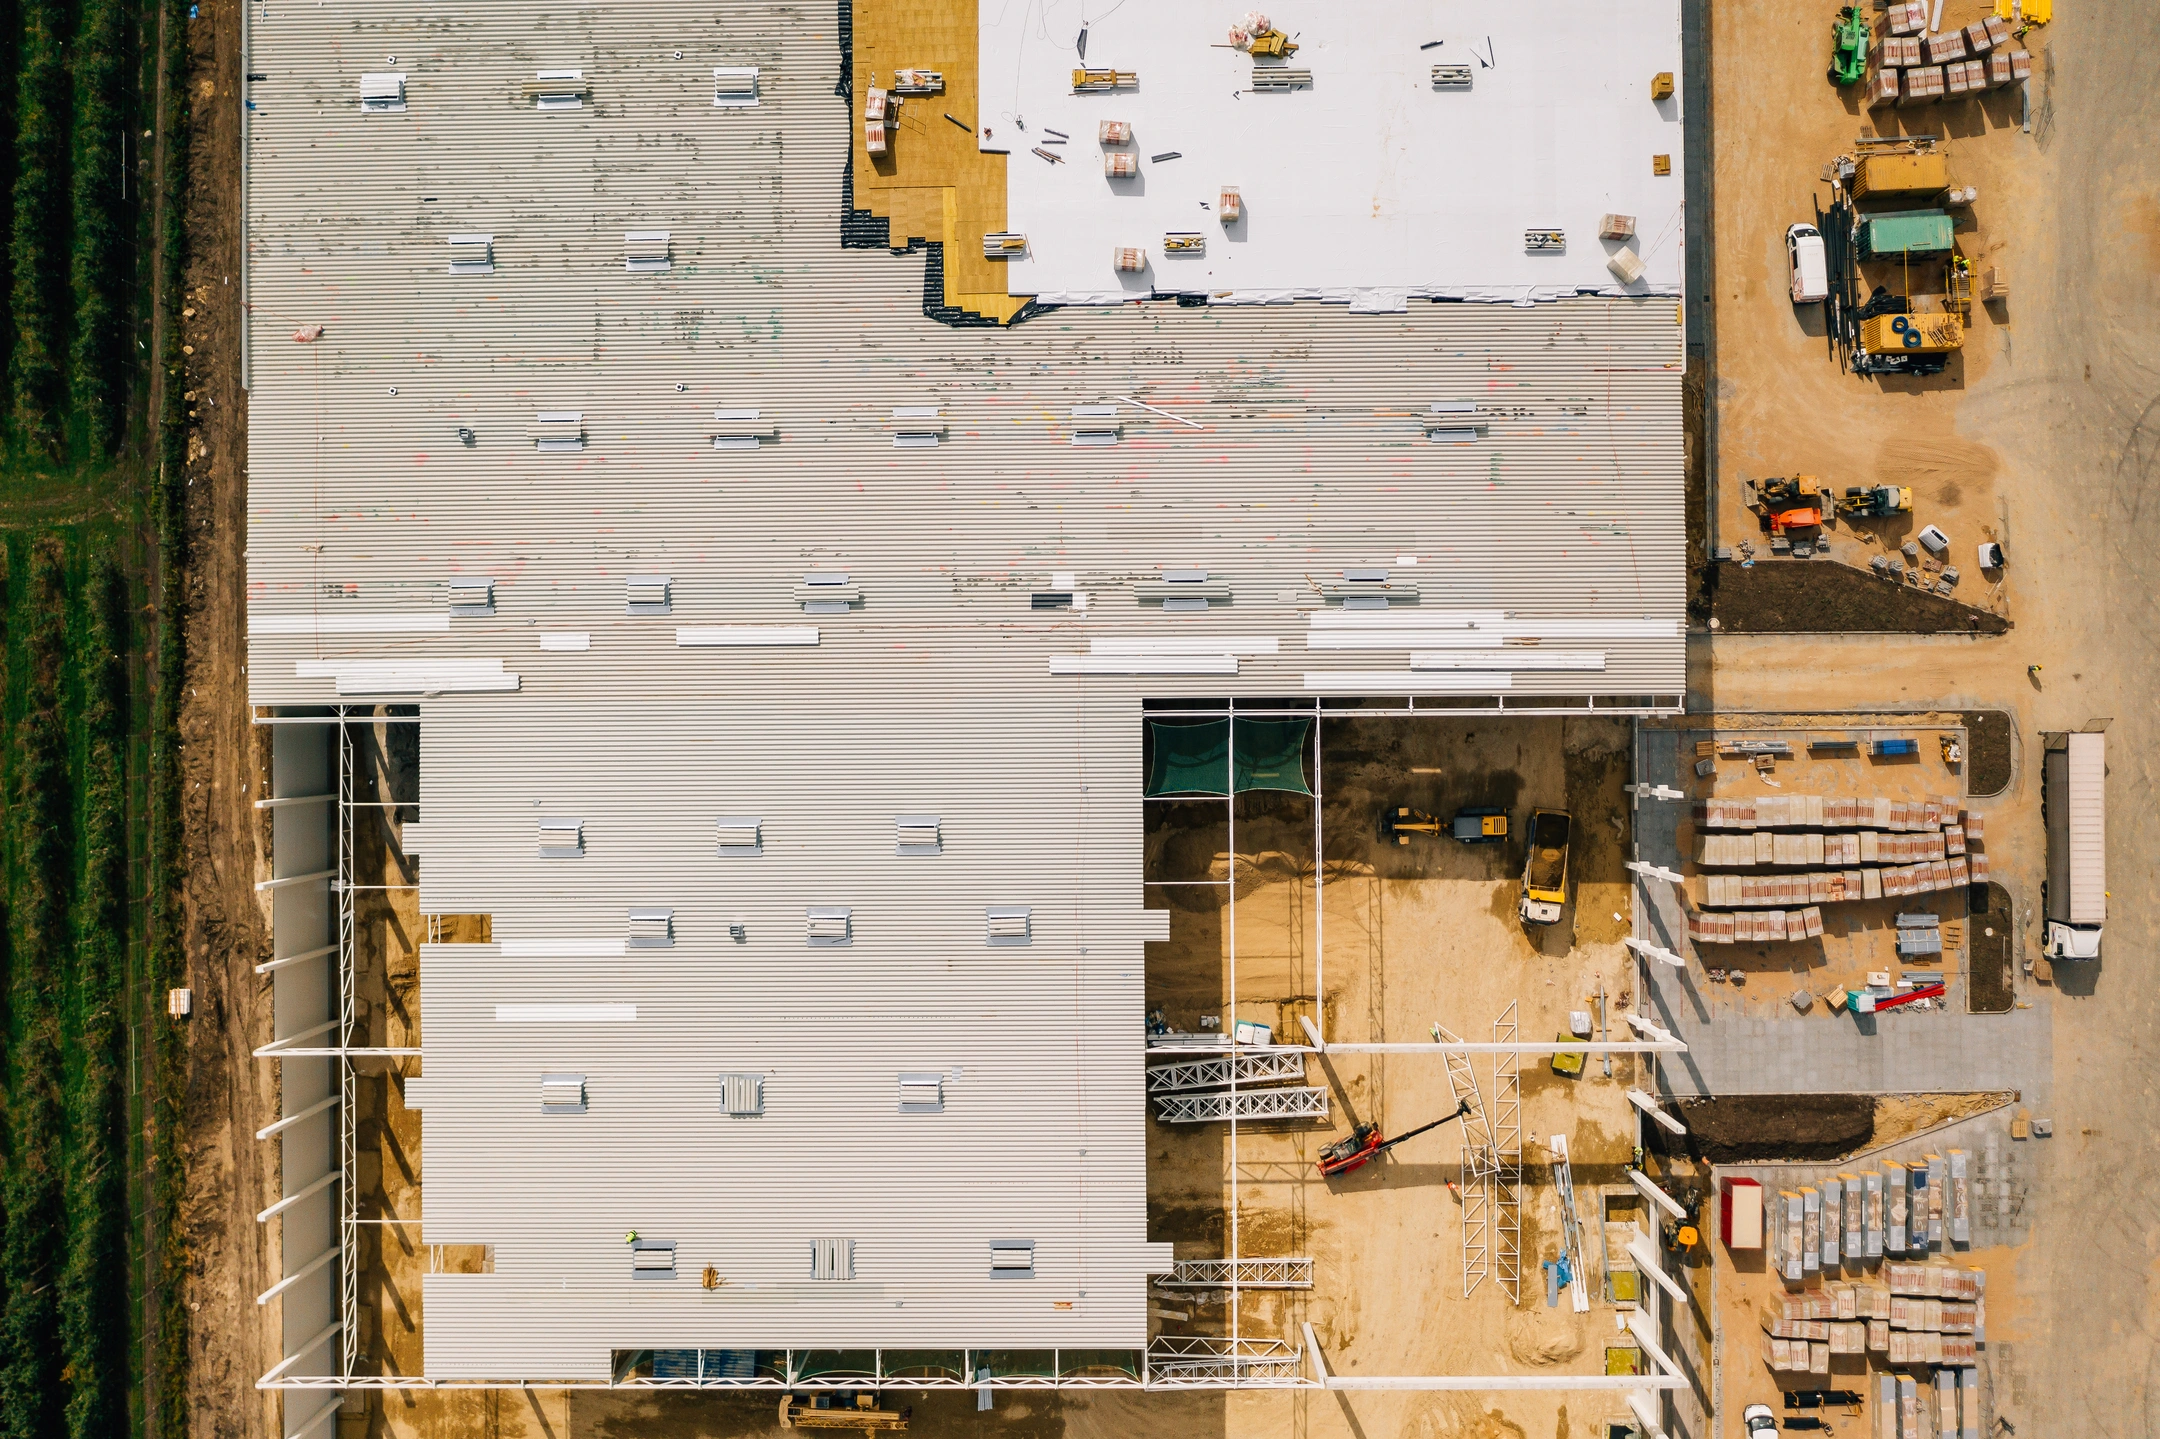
2060,403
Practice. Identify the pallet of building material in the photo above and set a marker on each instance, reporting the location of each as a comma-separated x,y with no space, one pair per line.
1797,1328
1976,866
1953,840
1938,1195
1113,132
1959,1200
1789,1208
1094,80
1451,77
1907,17
874,136
1120,164
1975,826
1004,245
878,106
1810,1229
1897,1201
1962,78
1184,242
910,81
1536,241
1230,205
1871,1216
1280,78
1978,38
1883,87
1944,47
1878,1336
1923,85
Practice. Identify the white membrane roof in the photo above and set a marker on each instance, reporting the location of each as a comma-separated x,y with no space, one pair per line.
1372,186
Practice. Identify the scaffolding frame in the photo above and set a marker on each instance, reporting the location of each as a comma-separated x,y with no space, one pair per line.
1256,1065
1507,1158
1480,1166
1285,1273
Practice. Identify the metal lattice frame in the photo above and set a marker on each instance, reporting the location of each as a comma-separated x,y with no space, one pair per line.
1237,1104
1480,1166
348,1129
1570,1225
1259,1065
1295,1273
1198,1359
1507,1167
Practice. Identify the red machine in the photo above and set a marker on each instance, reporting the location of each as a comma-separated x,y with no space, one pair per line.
1364,1143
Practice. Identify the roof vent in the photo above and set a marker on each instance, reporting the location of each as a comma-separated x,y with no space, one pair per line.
917,427
471,595
922,1094
562,1094
1008,924
648,594
829,926
740,837
652,1259
562,838
742,1096
559,432
382,94
918,834
1012,1259
652,928
472,254
832,1259
827,592
647,250
558,89
734,86
741,430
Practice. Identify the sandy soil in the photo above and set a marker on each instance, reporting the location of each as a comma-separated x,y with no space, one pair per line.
1784,407
2060,388
223,763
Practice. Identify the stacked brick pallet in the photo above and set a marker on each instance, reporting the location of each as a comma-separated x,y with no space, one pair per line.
1887,849
1910,66
1911,1312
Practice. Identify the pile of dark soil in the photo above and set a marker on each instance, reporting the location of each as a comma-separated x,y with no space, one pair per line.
1987,752
1991,988
1742,1127
1797,596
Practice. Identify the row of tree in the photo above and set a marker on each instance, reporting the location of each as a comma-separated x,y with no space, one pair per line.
65,1333
71,213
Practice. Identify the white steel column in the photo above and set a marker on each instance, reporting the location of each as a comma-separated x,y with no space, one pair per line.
348,1146
1230,781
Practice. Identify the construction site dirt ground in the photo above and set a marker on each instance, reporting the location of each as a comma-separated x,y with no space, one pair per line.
1784,407
2057,403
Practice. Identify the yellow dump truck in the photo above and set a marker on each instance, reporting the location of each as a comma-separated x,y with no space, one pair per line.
1544,877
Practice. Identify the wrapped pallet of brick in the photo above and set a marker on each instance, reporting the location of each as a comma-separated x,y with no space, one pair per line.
1790,1209
1896,1197
1113,132
1854,1243
1976,864
1883,87
1129,260
1945,47
2020,66
1960,1204
1938,1172
1978,38
1810,1203
1848,1338
1908,1396
1907,17
1120,164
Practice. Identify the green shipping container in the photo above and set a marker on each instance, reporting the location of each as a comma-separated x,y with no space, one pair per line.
1905,232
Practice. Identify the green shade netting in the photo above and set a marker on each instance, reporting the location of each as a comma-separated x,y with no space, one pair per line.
1195,758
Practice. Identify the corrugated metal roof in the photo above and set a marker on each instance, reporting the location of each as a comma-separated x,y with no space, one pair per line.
929,692
2088,828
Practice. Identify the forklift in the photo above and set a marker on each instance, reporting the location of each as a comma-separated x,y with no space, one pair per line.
1849,48
1364,1143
